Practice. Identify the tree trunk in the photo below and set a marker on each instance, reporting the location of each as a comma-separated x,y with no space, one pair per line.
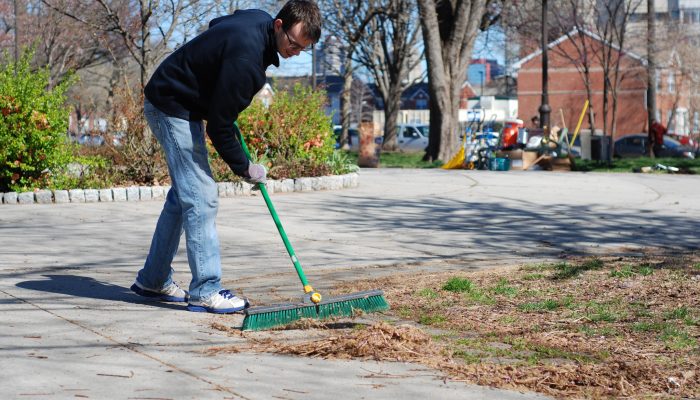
651,72
114,81
346,106
449,143
391,116
435,134
589,93
449,30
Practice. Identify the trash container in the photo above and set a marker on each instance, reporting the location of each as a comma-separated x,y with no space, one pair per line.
370,147
499,164
600,148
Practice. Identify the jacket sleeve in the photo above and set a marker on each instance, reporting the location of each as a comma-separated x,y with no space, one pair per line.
240,79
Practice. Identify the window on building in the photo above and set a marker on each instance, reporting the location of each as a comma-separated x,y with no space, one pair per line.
696,122
671,82
421,104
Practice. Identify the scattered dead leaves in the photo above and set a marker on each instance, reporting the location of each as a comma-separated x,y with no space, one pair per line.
627,329
377,342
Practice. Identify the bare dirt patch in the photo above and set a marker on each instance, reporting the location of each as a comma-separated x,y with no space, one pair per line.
584,328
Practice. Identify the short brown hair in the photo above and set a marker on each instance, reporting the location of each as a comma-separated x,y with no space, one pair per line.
304,11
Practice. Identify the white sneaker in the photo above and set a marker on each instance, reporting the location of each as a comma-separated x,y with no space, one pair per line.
223,302
172,292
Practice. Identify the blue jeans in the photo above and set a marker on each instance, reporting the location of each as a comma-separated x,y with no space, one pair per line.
191,205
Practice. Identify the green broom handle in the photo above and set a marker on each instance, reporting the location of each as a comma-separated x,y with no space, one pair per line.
271,208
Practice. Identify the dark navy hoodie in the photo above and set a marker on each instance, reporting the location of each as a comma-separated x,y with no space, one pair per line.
215,76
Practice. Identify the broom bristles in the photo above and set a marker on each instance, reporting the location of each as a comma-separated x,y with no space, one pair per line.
260,318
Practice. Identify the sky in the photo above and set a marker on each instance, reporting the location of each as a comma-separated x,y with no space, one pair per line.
488,45
294,66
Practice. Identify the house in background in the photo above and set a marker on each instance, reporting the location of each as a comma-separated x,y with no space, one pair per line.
567,91
481,71
415,103
678,103
678,38
266,94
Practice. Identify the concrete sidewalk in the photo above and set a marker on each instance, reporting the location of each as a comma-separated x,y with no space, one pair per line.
71,327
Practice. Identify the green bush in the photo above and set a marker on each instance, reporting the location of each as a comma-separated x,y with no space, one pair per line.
340,163
293,133
33,139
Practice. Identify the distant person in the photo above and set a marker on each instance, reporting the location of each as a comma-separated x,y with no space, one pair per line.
657,132
535,122
213,77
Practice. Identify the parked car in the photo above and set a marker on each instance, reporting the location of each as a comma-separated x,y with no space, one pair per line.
353,137
412,137
409,137
636,146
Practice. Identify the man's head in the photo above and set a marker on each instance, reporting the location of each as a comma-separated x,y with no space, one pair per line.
297,27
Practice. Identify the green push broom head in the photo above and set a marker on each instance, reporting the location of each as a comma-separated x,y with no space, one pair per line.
260,318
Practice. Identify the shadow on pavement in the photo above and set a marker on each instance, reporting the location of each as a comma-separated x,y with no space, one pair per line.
500,226
81,286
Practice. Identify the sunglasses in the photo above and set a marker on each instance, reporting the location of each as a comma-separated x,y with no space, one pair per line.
294,45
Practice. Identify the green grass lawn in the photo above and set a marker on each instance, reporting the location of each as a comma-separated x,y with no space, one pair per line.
635,164
399,160
414,160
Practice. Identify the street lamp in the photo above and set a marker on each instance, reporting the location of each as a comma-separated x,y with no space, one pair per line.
545,109
481,75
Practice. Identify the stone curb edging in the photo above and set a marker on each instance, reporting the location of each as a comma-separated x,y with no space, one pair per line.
145,193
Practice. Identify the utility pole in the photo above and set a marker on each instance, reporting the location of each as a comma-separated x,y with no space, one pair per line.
481,75
545,109
651,72
16,36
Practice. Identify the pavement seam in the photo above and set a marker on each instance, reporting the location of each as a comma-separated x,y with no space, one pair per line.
127,346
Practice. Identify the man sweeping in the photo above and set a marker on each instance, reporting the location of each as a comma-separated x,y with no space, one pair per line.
213,77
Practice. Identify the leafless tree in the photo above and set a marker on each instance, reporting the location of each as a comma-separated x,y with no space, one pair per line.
61,44
389,52
575,20
7,25
348,21
670,46
58,42
362,100
597,33
613,19
147,29
680,62
449,31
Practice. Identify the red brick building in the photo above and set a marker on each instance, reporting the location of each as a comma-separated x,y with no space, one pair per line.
567,89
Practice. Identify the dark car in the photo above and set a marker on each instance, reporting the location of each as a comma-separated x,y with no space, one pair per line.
91,140
636,146
353,137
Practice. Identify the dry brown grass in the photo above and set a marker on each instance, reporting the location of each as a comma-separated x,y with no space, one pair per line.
606,328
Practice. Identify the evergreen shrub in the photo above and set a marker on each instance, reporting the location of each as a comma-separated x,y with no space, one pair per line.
34,146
